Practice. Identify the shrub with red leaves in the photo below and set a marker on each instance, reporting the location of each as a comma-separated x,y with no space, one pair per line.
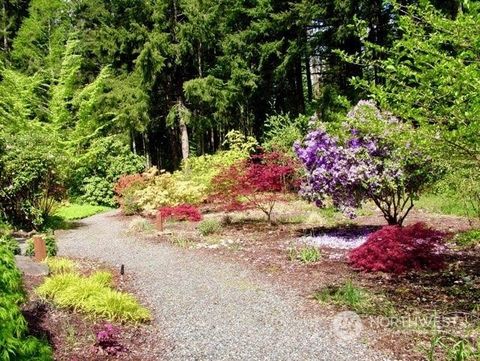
128,181
183,212
258,182
396,249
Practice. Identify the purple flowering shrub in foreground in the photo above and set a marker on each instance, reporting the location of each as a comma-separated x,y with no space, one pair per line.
375,161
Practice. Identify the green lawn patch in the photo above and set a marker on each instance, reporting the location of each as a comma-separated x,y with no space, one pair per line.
444,204
73,211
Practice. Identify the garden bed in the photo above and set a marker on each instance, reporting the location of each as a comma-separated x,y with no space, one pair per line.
72,335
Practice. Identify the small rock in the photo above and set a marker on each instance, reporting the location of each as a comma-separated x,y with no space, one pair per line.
31,268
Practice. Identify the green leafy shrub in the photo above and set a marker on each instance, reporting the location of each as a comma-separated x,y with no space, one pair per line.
281,132
96,171
15,343
209,226
166,189
30,176
10,243
203,169
93,296
50,242
305,254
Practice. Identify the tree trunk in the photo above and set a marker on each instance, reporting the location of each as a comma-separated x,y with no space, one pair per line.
184,138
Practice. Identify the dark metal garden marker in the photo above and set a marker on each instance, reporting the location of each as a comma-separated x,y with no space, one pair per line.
40,248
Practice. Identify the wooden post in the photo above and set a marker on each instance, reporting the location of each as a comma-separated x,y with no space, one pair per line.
159,222
40,248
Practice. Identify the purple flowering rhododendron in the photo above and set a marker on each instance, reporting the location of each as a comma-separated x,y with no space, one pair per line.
362,167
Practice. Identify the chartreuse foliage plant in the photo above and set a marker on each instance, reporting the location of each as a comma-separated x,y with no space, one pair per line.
94,296
15,343
189,185
374,158
60,265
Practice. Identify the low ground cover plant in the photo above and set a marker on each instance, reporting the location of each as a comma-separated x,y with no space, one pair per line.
209,226
107,340
396,249
306,254
15,343
353,297
60,265
50,242
140,225
94,296
468,238
182,212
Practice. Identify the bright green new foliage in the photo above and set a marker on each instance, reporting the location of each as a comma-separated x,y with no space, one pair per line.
15,344
93,296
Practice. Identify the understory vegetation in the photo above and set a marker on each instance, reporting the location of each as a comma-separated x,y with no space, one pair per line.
15,341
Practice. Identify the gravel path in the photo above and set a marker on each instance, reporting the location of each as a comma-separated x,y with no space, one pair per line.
208,309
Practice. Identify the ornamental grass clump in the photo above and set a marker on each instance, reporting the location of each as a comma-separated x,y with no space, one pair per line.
395,249
375,158
93,296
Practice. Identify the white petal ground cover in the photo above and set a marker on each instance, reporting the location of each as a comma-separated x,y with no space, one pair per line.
347,238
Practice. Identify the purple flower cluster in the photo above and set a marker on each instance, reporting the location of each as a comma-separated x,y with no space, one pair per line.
364,166
346,173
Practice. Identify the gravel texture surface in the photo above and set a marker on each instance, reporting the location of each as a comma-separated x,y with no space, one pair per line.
208,309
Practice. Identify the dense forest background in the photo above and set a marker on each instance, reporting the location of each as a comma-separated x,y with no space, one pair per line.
104,87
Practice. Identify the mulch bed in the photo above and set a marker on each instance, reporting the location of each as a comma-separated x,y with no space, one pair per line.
72,335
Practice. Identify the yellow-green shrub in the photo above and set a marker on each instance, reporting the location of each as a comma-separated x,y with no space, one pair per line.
167,190
93,296
58,265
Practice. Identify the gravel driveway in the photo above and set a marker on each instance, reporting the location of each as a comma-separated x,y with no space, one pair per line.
208,309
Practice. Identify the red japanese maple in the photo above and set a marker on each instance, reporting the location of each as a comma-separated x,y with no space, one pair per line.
183,212
396,249
258,182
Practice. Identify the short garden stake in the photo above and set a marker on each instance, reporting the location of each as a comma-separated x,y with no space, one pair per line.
40,248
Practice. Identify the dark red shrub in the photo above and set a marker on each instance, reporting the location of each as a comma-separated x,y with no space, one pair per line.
396,249
258,182
183,212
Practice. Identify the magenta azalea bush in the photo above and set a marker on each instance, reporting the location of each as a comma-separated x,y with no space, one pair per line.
371,162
